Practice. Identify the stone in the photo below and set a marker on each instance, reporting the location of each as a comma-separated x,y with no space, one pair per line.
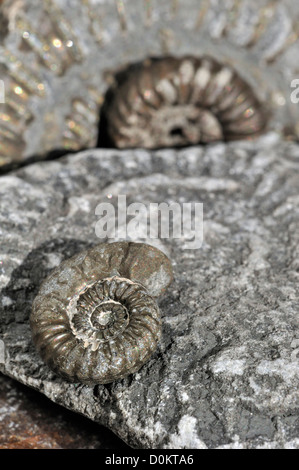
30,421
225,374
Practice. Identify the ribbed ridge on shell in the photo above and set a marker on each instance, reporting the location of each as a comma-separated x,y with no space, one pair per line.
108,330
182,101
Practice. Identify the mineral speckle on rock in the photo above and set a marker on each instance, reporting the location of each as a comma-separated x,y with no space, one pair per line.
226,372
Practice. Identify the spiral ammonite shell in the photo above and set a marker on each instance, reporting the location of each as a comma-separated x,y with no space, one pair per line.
176,102
95,319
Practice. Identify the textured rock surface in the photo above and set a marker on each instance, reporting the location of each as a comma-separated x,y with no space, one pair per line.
57,61
28,420
226,371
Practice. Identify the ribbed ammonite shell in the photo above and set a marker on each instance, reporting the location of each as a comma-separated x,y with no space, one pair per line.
95,319
173,102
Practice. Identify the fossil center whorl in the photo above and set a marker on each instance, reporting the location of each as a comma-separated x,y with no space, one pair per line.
185,124
106,314
98,314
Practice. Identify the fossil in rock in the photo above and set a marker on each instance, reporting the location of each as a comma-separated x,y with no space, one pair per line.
177,102
95,319
57,63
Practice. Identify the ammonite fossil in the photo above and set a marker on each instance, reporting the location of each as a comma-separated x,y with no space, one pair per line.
172,102
95,319
57,62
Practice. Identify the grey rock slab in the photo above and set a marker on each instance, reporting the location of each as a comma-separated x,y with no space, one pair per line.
226,371
30,421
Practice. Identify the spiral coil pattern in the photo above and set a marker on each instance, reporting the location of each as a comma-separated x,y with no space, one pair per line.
110,330
177,102
94,329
